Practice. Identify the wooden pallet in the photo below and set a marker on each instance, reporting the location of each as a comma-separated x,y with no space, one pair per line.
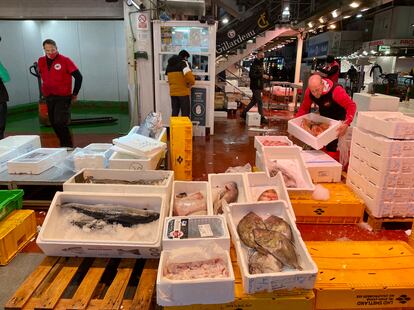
379,223
88,283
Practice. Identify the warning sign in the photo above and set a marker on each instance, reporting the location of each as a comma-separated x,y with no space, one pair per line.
142,21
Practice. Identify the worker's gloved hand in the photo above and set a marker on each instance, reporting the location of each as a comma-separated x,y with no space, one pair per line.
342,129
74,99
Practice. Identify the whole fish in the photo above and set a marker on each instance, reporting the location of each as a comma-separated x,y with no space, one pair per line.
229,193
278,245
186,204
268,195
263,263
114,214
246,226
93,180
288,177
275,223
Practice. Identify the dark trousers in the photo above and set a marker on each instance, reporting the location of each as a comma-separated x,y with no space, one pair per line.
256,99
3,117
59,116
180,103
332,146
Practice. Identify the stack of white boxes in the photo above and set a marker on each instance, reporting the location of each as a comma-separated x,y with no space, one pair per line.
381,167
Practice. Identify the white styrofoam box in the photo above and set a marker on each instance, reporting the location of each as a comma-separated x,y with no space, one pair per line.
37,161
195,230
260,181
194,291
383,146
253,119
375,102
382,178
140,145
259,140
231,105
95,155
120,160
382,204
394,125
161,135
191,187
219,180
7,154
52,239
77,182
381,163
23,143
322,167
259,161
295,129
286,279
292,153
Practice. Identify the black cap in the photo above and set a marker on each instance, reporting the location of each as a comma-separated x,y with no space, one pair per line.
184,54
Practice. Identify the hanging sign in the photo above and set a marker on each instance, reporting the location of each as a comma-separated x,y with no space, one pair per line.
143,21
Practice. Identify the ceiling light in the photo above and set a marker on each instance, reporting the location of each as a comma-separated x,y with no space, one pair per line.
321,20
332,26
346,16
335,14
310,24
359,16
365,53
364,9
354,5
225,20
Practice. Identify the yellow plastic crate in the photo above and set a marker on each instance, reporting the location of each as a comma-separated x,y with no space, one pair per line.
16,230
181,147
343,207
363,274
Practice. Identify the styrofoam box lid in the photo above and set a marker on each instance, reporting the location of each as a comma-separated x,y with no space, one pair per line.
235,212
295,129
290,153
394,125
221,179
314,158
38,155
98,147
190,187
158,136
141,145
51,229
195,230
261,180
258,141
119,174
188,292
20,141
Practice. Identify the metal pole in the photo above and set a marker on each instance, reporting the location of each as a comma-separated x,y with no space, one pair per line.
297,68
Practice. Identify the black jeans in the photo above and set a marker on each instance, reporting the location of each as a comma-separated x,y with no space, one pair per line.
58,108
3,117
180,102
257,98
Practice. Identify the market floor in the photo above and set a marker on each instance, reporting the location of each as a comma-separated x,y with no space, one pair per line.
231,145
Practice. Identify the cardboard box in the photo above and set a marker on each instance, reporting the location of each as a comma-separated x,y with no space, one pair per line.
288,278
253,119
295,129
322,167
57,241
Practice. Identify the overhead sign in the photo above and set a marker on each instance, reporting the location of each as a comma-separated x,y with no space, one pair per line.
243,31
384,48
320,49
388,42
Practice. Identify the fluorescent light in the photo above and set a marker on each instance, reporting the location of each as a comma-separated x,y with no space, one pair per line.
365,53
310,24
364,9
359,16
354,5
335,14
346,16
332,26
321,20
225,20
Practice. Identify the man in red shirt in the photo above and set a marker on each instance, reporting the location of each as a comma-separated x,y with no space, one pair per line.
331,69
56,72
332,101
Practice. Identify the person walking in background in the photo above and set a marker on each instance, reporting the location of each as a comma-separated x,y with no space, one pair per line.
257,77
56,72
375,72
4,97
331,69
180,79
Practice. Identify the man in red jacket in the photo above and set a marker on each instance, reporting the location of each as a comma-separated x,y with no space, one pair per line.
331,69
333,102
56,72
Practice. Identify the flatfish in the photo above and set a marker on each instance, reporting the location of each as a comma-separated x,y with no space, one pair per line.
246,226
263,263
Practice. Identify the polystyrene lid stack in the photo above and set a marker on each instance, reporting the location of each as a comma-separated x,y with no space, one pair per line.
381,166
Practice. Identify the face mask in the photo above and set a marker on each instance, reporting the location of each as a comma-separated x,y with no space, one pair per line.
52,55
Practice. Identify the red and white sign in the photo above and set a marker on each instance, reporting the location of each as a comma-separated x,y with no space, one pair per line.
142,21
389,42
